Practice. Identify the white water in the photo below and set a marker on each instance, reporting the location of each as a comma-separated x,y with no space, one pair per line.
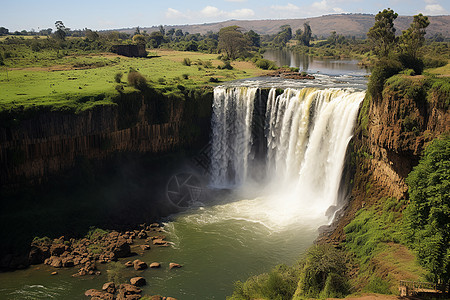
307,132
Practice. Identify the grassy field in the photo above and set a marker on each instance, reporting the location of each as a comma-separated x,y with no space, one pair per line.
72,80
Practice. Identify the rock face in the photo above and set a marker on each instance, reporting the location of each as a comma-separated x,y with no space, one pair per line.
138,281
44,143
397,130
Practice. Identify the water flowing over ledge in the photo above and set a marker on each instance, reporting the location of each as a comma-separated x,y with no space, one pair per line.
292,143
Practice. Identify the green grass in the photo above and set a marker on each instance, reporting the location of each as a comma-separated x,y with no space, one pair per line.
80,82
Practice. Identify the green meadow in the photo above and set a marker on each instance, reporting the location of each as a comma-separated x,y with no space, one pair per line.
79,81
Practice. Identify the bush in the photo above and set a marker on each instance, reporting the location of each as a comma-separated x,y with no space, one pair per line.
186,62
384,69
324,273
408,72
119,88
118,77
410,62
185,76
115,273
226,66
265,64
213,79
137,80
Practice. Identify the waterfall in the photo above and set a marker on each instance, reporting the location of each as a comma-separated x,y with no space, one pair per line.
306,130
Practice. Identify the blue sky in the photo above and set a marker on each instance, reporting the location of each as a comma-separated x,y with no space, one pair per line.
112,14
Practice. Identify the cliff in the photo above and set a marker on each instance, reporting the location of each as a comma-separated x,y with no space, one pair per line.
391,134
34,146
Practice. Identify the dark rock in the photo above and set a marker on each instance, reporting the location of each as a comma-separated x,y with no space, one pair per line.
57,249
139,265
121,248
138,281
38,254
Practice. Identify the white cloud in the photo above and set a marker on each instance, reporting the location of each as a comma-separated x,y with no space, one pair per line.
241,13
209,13
315,9
286,8
172,13
434,9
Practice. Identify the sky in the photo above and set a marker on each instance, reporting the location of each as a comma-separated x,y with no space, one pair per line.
17,15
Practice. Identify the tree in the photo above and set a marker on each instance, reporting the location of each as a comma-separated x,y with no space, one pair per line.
284,35
60,33
4,31
156,38
91,35
427,216
254,39
232,41
162,30
139,39
413,38
179,32
382,33
307,34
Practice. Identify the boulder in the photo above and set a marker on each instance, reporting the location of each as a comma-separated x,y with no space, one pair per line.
155,265
38,254
128,289
55,273
174,265
57,249
145,247
121,248
138,281
54,261
109,287
67,262
139,265
142,234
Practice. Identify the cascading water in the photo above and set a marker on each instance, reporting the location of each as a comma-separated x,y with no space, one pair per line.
307,132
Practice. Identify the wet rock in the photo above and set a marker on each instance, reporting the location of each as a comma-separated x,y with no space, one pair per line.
54,261
128,264
155,265
145,247
139,265
109,287
38,254
174,265
67,262
138,281
142,235
54,273
159,242
121,248
57,249
93,293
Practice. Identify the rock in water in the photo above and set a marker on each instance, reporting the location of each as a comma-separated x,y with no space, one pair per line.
138,281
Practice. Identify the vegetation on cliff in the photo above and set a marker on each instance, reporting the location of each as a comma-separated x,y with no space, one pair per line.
427,216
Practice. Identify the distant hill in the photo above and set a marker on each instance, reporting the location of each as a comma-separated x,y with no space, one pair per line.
346,24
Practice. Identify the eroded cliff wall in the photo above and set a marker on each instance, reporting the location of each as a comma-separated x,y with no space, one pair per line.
45,143
392,133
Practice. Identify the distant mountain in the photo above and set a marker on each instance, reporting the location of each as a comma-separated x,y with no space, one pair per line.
346,24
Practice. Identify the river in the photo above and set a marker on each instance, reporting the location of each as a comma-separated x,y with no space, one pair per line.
274,179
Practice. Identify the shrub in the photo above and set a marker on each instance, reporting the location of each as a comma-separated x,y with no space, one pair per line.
384,69
226,66
265,64
408,72
213,79
185,76
115,272
137,80
118,77
186,62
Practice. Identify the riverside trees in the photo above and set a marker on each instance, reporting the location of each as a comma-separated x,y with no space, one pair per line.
427,216
232,41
